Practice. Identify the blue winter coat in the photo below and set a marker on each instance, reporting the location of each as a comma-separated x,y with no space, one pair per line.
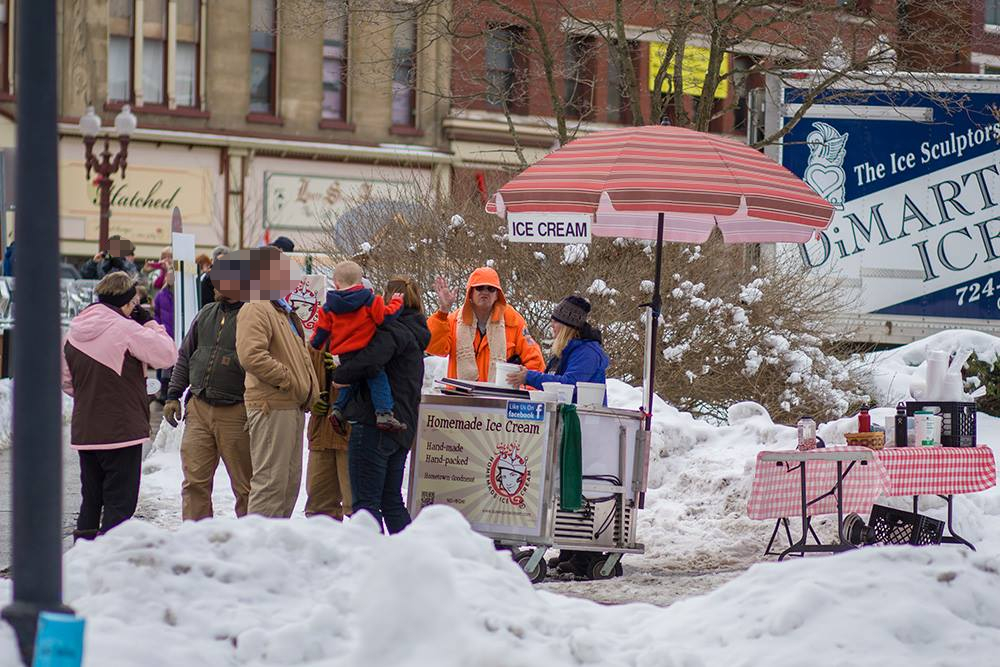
581,361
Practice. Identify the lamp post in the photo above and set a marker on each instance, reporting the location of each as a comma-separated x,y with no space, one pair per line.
37,473
106,166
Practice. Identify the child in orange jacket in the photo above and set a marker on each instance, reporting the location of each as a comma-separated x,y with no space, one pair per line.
347,324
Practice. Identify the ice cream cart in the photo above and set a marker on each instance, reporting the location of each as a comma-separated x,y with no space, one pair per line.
496,460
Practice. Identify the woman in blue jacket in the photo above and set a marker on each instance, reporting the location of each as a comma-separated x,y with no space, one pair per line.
577,355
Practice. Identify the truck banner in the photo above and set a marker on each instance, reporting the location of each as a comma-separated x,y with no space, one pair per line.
487,463
914,178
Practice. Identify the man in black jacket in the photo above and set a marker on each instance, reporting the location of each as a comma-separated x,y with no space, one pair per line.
377,458
215,415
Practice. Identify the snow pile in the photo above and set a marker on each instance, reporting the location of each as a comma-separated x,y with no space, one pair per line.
896,369
6,414
699,483
315,592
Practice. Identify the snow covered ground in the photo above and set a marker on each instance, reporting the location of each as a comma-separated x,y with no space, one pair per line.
320,593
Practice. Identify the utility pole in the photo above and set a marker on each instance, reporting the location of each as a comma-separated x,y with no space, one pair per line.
37,455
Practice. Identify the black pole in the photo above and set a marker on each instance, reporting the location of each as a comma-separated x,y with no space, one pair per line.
656,302
37,455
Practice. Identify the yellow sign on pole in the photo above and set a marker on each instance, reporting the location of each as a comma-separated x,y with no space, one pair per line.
694,70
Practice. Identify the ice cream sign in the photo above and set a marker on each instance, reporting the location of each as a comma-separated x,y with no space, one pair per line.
549,227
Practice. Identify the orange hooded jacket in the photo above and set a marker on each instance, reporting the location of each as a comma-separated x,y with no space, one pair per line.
444,327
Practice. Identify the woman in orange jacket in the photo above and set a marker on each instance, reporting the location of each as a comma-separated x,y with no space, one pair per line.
484,331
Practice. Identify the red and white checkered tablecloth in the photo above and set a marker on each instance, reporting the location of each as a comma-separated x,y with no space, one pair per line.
938,470
903,471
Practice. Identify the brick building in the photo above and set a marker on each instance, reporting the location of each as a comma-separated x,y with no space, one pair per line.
254,117
501,70
268,117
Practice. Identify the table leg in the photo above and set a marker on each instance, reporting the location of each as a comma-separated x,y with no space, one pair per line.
840,502
800,546
952,537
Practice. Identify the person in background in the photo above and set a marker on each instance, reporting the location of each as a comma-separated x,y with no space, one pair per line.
377,458
577,354
163,312
280,387
206,290
215,415
161,268
145,305
283,243
486,330
328,479
104,369
8,260
119,256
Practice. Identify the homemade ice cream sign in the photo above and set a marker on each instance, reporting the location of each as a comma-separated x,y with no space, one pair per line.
486,462
549,227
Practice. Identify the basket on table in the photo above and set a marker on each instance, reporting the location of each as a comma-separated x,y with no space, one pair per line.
874,440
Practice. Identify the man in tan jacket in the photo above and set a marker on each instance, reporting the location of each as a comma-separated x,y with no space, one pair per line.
280,387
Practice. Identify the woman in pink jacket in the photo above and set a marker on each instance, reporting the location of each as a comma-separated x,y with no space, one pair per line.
107,351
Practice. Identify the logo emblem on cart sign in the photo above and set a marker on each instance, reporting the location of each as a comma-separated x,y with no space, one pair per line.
526,410
508,475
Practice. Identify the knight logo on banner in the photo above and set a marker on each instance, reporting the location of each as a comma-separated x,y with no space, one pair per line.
508,475
307,299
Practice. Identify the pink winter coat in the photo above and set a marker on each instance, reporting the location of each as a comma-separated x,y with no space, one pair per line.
104,369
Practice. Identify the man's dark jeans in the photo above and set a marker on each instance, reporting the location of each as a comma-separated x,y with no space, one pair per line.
376,463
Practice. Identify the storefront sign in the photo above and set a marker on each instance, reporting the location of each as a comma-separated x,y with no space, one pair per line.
694,70
916,230
549,227
300,202
489,467
157,180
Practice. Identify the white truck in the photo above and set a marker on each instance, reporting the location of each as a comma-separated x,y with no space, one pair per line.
910,162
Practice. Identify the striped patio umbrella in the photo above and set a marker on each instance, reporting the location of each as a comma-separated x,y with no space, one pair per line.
667,183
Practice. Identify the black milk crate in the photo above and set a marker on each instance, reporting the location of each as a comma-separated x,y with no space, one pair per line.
888,525
958,423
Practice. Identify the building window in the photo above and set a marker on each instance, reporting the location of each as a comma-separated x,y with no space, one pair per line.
335,67
188,54
404,77
154,51
505,68
992,13
579,76
120,32
619,106
5,40
263,57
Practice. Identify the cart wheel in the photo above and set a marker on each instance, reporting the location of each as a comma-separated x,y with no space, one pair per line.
537,573
598,564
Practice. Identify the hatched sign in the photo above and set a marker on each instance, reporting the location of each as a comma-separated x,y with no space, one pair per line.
549,227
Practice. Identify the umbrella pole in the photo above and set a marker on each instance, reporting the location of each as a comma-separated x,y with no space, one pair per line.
652,323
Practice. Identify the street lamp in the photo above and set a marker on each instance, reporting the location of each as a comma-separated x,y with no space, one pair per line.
107,164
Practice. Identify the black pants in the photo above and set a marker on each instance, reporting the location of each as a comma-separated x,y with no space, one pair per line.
109,480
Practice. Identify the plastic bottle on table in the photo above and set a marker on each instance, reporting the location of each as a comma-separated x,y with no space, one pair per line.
899,423
807,433
864,421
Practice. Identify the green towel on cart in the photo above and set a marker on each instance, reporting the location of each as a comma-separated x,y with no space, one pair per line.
570,460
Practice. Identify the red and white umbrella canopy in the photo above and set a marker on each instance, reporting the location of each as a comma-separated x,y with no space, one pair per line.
698,181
